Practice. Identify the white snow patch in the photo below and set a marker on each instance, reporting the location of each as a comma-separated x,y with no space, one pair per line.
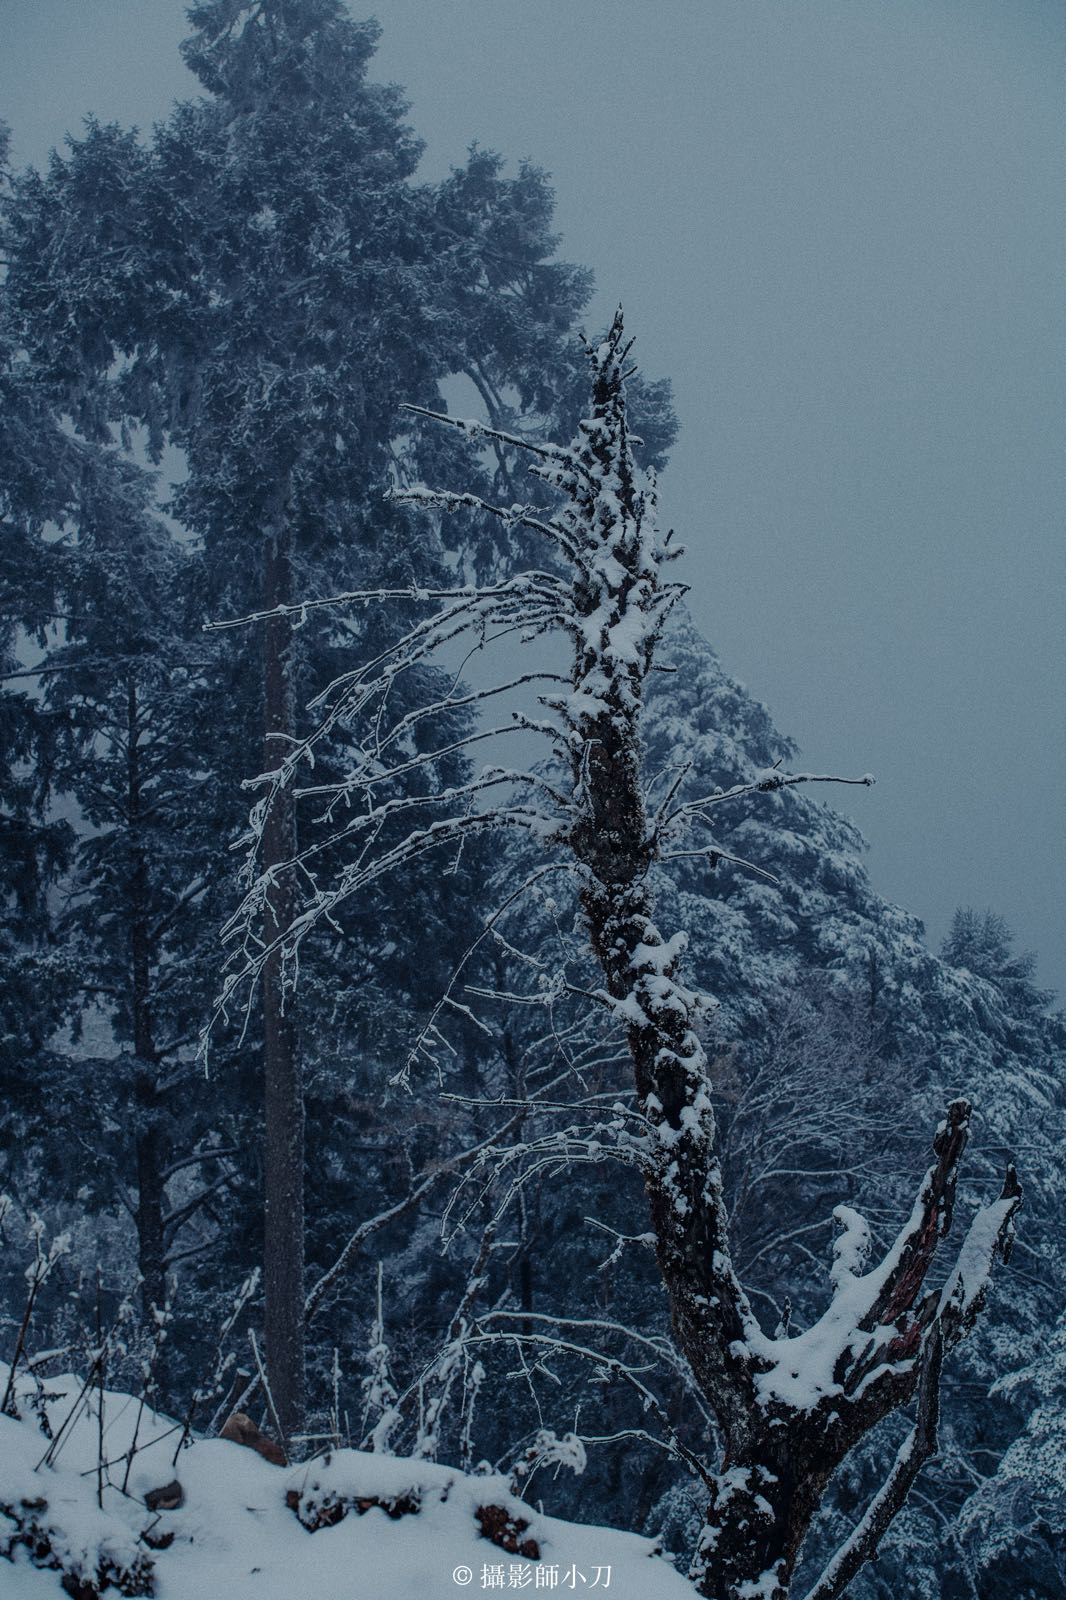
234,1536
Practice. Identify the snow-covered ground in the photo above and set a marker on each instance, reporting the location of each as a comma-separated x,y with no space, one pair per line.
238,1535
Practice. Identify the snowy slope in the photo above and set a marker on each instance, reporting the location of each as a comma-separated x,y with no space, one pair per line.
239,1533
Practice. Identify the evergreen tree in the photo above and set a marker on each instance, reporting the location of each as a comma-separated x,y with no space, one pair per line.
38,472
110,828
263,286
126,693
1011,1528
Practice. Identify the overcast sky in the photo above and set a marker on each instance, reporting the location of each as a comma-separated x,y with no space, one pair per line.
840,229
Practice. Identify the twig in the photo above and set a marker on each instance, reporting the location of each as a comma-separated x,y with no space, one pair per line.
265,1386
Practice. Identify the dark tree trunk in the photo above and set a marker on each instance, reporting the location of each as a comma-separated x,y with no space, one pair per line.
153,1150
151,1141
283,1150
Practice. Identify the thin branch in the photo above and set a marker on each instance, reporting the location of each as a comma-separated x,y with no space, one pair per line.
613,1367
464,593
520,515
216,1153
413,1198
713,857
480,430
767,784
265,1386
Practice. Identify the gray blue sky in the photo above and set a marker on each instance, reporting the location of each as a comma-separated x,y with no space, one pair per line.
839,228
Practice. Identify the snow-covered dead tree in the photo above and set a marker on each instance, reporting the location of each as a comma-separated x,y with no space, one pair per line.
789,1409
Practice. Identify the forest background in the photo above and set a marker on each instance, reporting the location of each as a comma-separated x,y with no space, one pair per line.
110,955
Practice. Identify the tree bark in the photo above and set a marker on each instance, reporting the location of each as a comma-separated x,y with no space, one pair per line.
283,1104
152,1146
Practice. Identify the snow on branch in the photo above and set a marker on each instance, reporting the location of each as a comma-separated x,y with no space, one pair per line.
765,782
329,1279
606,1367
871,1340
511,1167
510,516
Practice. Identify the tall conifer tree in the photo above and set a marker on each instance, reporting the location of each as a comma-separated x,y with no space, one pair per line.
262,287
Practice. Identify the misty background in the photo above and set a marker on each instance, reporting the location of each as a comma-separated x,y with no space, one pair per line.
840,231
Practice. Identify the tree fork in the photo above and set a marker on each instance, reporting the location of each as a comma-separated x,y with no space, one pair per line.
779,1457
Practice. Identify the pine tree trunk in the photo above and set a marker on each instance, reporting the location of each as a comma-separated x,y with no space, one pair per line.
152,1144
152,1154
283,1155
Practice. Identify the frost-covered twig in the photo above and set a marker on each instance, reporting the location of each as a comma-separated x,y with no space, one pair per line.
766,783
97,1365
488,928
556,1150
435,1387
621,1240
609,1367
224,1359
408,1202
37,1274
379,1392
264,1384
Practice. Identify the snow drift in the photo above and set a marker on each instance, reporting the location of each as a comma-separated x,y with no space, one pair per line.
344,1526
